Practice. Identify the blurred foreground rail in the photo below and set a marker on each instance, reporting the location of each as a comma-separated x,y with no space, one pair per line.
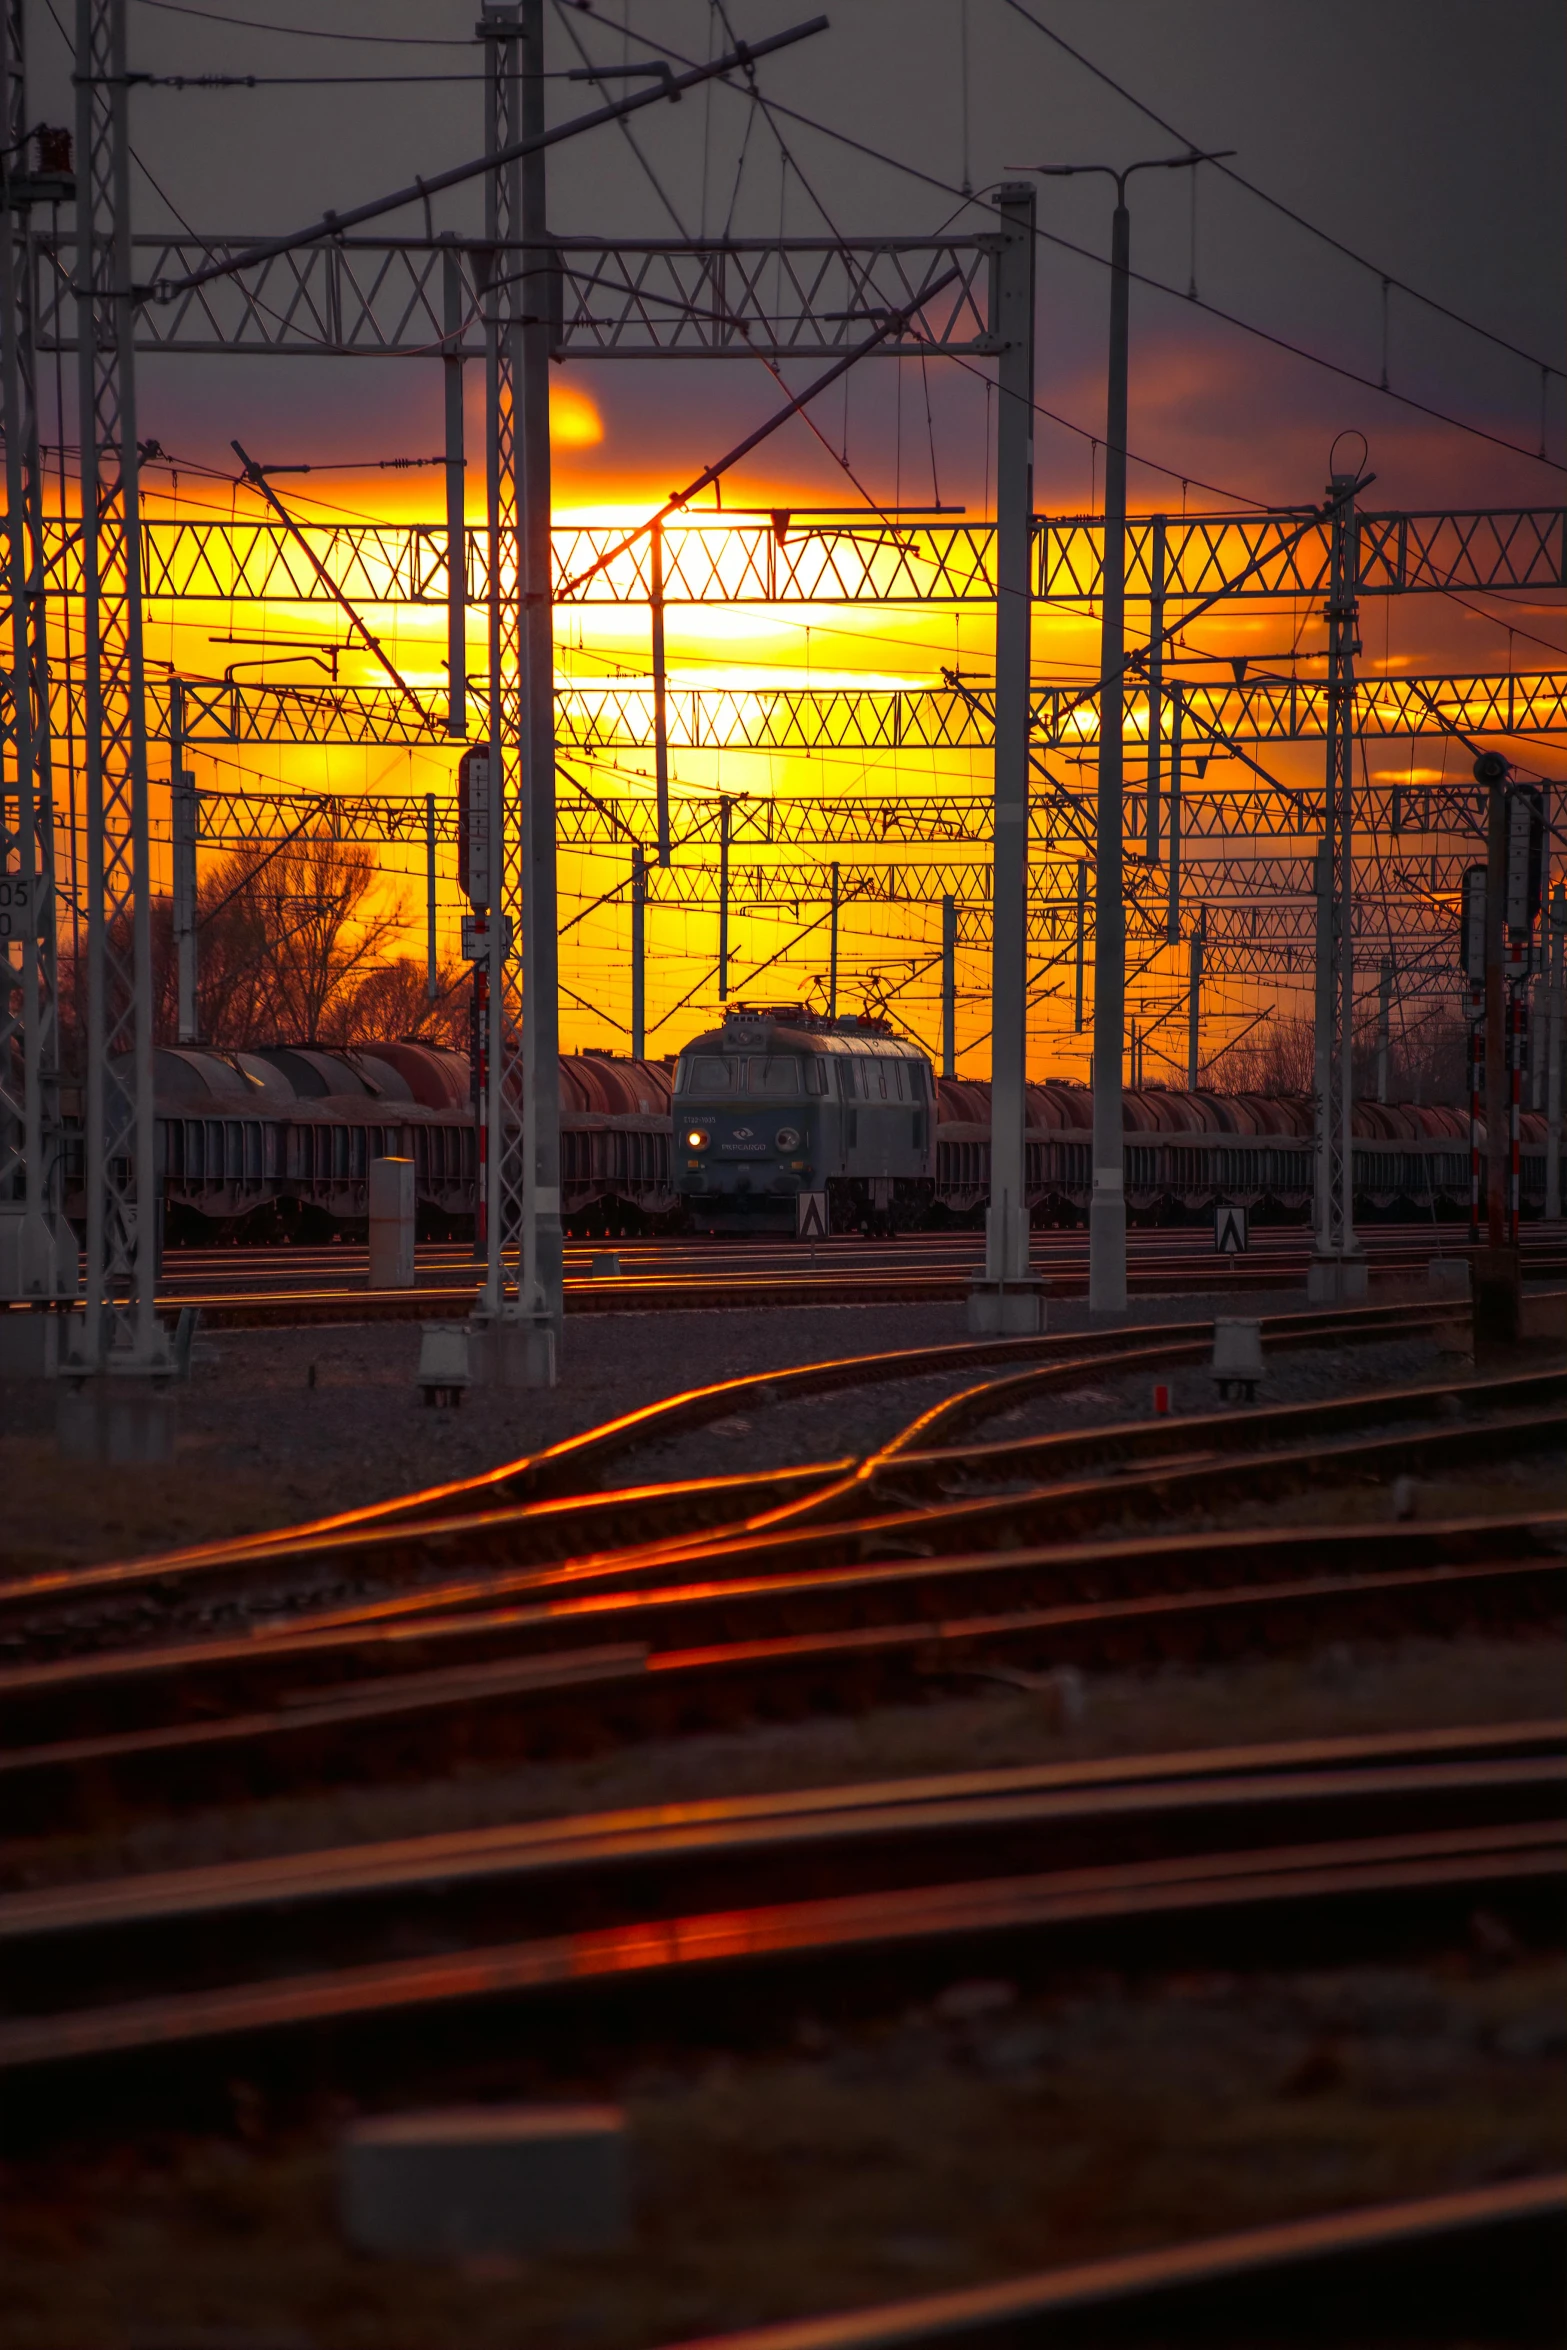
157,1988
1481,2266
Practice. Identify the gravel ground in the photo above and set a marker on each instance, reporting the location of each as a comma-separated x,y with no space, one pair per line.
993,2130
279,1426
827,1426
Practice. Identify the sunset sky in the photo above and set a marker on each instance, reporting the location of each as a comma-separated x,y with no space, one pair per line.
1424,134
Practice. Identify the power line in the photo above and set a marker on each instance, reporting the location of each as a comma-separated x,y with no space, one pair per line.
1157,285
300,32
292,81
1384,276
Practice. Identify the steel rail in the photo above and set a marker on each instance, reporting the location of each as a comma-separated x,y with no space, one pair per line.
1287,1889
304,1308
1007,1517
412,1536
921,1458
1483,2264
524,1681
1211,1459
72,1944
576,1570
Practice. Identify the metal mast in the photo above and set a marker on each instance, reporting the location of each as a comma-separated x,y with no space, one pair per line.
121,1330
502,1106
1107,1203
522,1307
1337,1269
1007,1298
37,1251
539,1282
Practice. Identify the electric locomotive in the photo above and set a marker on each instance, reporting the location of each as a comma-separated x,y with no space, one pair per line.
784,1119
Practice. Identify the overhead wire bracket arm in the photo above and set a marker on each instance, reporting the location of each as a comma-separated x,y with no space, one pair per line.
893,321
335,224
255,475
1292,799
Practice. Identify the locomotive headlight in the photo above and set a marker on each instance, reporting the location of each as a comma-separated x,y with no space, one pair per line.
787,1138
698,1139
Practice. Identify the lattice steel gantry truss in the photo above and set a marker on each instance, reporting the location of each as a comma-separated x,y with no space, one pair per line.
792,559
617,714
37,1249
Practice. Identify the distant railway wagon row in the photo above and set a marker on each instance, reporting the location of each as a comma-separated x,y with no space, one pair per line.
280,1139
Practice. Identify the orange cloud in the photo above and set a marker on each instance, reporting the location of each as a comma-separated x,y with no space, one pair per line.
574,421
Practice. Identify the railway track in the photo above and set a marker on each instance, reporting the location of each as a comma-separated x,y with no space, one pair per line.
1481,2266
747,1290
1387,1247
373,1703
394,1963
353,1653
544,1505
298,1287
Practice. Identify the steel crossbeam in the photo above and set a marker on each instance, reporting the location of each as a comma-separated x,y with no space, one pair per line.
605,820
1251,904
1261,891
368,297
619,714
793,559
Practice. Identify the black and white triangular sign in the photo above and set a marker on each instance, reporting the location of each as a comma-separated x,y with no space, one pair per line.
811,1221
1229,1231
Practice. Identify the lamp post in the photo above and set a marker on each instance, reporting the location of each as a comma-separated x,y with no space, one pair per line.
1107,1206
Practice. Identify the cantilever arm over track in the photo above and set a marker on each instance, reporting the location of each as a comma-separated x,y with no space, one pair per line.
1216,735
1139,653
335,224
257,479
680,499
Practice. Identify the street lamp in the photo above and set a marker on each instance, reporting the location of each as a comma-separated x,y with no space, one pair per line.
1107,1207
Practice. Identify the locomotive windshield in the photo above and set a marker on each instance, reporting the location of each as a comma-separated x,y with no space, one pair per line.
773,1076
709,1073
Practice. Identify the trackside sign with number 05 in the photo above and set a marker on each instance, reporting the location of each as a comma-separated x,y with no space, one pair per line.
20,899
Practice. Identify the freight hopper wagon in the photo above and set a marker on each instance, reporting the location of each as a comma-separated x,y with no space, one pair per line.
276,1143
1183,1153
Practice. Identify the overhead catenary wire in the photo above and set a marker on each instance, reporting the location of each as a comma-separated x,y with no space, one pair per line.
302,32
1276,204
1159,285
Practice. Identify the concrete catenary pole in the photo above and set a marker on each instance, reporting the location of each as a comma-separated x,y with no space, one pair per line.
1107,1202
432,986
184,818
832,944
655,597
1195,946
453,314
1556,957
1156,569
540,1268
1337,1270
949,985
1496,1074
638,951
1006,1298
